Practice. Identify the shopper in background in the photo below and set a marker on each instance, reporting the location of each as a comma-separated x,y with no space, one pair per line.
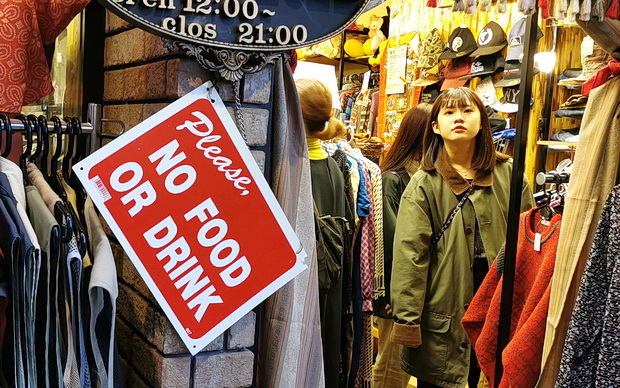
399,165
451,224
328,193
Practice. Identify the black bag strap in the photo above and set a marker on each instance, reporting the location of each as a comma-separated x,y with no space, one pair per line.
435,237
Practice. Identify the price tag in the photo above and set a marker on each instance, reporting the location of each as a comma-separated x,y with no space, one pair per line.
537,238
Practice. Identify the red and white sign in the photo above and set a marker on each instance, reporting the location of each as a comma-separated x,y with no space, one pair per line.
191,208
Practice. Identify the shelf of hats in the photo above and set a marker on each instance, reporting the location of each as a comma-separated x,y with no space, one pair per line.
421,47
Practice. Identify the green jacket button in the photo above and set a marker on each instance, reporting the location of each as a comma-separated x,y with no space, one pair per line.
464,344
468,229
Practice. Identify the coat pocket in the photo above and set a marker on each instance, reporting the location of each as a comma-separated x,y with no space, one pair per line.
436,323
436,337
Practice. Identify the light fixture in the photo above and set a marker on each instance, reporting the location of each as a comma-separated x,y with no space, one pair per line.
545,61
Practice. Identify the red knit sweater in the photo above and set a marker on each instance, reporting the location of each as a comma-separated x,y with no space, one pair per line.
534,269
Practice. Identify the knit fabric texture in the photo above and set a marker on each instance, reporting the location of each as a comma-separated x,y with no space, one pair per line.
591,354
533,273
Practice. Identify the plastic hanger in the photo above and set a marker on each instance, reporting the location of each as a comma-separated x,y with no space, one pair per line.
28,151
36,126
66,160
82,141
45,145
9,135
58,150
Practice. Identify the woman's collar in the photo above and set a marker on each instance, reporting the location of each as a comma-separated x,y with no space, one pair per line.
455,181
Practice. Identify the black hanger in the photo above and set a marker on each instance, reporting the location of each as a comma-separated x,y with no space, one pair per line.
66,160
45,145
58,131
54,180
9,135
82,142
28,151
36,126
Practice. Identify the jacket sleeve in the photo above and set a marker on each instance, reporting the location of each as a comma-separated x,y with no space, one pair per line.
410,267
527,199
391,200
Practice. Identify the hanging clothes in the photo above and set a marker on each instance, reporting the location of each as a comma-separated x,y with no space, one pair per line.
28,25
592,176
535,257
290,345
590,354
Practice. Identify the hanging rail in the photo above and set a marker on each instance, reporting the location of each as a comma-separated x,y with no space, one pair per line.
552,177
93,126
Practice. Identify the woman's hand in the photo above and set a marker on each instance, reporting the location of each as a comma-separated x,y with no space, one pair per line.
388,308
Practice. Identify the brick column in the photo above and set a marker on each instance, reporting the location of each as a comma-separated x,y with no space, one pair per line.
142,77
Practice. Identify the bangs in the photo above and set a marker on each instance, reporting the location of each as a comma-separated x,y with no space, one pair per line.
457,98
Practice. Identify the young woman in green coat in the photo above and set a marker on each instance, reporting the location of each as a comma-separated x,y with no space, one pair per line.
400,163
433,284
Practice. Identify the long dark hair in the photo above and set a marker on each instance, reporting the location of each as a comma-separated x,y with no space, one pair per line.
408,143
485,156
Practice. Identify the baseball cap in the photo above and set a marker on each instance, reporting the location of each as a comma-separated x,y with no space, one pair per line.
512,74
486,91
510,102
485,65
428,77
491,39
430,93
461,43
516,40
431,48
454,70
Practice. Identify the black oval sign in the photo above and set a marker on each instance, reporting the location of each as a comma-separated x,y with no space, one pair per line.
264,25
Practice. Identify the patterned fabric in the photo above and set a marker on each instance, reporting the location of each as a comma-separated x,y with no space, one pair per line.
533,273
367,251
27,25
377,198
290,349
591,356
364,375
593,176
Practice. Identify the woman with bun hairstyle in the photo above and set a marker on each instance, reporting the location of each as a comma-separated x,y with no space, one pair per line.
400,163
435,274
328,192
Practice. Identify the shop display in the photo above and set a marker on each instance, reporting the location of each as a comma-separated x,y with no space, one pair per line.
491,39
460,43
339,323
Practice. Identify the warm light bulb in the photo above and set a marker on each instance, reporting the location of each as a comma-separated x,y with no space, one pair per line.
545,62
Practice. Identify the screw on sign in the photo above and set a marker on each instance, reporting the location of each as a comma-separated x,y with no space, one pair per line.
183,195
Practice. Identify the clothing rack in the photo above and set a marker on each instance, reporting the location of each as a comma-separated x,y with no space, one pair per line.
93,126
516,184
552,177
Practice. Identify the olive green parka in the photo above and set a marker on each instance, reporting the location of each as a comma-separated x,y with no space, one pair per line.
432,287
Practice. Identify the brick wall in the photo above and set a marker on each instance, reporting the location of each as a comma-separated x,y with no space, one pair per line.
142,77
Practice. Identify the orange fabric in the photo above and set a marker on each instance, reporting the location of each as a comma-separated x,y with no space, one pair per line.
532,290
25,27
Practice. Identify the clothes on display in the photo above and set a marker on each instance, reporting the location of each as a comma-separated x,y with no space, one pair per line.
590,354
40,22
59,281
593,175
534,268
